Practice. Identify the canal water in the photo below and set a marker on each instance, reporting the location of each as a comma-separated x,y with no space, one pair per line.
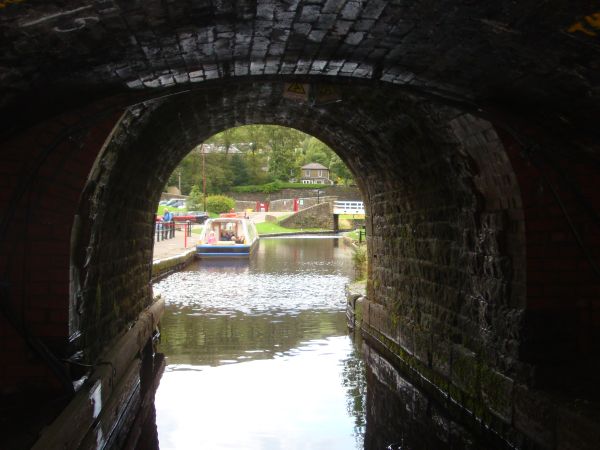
259,357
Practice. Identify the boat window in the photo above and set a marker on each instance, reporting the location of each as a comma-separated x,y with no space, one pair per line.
251,231
228,229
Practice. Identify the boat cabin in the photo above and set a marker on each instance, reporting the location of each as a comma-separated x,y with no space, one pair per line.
227,236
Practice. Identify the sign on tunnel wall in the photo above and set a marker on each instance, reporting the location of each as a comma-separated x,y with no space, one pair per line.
587,26
316,94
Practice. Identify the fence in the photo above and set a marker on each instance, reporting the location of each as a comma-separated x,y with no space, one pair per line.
349,207
362,234
164,230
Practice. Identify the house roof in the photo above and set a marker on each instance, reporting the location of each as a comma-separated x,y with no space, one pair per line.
314,166
213,148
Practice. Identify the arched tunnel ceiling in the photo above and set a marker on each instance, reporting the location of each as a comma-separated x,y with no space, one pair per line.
491,52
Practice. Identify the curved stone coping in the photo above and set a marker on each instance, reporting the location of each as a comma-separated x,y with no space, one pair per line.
165,266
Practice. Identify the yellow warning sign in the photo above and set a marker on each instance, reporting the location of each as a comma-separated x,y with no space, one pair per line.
296,88
296,91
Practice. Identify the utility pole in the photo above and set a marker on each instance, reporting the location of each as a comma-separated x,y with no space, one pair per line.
203,177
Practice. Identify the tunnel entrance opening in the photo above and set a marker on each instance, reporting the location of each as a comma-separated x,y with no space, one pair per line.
269,174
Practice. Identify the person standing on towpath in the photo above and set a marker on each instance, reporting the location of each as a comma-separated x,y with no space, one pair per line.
167,219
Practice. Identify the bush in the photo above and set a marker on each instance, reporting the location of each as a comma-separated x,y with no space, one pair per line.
276,186
219,204
271,187
195,199
359,258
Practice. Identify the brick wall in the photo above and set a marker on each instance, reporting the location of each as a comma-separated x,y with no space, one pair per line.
44,170
560,205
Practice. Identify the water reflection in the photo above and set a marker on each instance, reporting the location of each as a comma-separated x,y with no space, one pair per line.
258,354
401,417
292,400
259,357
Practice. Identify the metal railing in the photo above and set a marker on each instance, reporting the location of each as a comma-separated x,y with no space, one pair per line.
348,207
164,230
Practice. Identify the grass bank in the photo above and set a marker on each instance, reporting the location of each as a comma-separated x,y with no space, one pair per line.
272,227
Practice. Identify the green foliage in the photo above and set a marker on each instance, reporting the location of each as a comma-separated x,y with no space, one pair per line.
219,203
272,187
270,227
190,170
302,186
239,170
269,153
314,150
195,200
359,259
276,186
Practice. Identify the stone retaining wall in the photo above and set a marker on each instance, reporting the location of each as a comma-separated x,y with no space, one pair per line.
318,216
163,267
342,192
285,204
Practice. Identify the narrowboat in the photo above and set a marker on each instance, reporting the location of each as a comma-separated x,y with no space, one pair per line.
227,237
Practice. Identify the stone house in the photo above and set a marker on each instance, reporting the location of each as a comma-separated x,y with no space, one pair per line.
315,173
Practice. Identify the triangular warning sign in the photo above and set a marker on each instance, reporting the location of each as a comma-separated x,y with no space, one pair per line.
296,91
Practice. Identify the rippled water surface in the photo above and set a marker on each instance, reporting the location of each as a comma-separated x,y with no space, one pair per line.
258,354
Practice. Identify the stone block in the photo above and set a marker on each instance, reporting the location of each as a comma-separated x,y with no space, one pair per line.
422,345
440,356
497,393
378,318
464,370
404,337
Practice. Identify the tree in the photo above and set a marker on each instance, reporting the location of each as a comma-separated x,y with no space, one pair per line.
283,142
191,172
196,199
282,151
339,171
239,170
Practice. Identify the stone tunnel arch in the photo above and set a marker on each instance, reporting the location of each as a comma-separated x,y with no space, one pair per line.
476,226
465,223
445,220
